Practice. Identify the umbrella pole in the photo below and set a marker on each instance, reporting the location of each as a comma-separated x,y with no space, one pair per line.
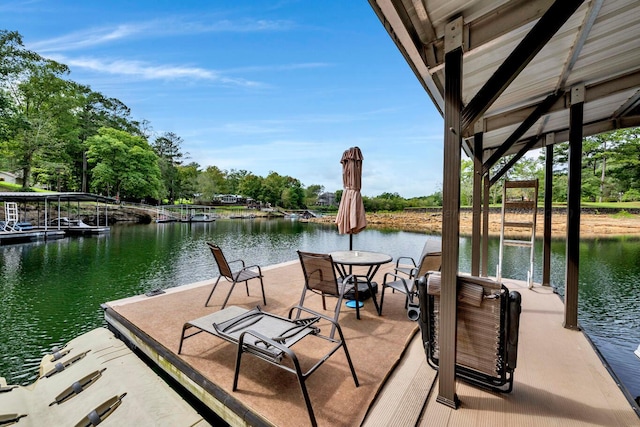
354,303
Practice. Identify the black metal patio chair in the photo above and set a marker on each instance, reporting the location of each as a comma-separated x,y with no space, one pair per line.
243,274
403,278
322,278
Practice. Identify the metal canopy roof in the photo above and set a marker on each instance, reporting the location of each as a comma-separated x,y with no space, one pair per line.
573,42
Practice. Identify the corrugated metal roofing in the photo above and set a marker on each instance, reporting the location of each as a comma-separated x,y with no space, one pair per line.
598,46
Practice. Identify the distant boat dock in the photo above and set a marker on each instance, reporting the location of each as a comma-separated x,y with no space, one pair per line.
53,220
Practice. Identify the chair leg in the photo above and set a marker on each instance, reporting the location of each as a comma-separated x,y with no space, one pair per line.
184,328
346,353
355,288
237,370
305,393
381,299
301,303
228,295
264,299
336,315
213,289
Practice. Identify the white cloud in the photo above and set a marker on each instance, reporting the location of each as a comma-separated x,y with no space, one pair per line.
88,38
147,71
152,29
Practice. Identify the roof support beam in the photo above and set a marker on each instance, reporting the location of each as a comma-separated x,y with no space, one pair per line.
450,215
540,110
514,13
585,29
522,55
548,211
599,127
630,105
573,209
593,92
391,16
477,203
514,159
485,226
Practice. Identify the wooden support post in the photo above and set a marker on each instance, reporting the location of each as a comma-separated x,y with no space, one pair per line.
477,199
548,206
450,213
573,208
485,226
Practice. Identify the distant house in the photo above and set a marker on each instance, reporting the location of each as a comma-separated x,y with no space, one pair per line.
10,178
232,199
226,198
327,199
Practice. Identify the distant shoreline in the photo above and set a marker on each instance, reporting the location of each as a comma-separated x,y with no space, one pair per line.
592,225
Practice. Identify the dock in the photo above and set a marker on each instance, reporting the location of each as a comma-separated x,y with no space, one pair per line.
559,381
11,237
55,226
87,230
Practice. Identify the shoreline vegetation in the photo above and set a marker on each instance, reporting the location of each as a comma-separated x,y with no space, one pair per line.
592,225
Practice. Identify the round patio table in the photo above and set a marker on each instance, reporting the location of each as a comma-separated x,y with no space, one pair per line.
350,259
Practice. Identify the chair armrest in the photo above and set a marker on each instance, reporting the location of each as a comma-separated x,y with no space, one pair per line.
323,317
314,313
395,276
405,258
265,351
248,267
236,260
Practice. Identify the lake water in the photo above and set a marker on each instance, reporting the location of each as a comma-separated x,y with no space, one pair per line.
50,292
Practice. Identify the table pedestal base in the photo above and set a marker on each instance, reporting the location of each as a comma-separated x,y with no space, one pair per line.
352,303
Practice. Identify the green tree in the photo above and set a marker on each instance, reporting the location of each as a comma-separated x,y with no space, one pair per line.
466,182
124,165
251,186
188,176
292,196
272,187
168,149
15,63
625,159
211,182
96,111
234,178
312,193
38,103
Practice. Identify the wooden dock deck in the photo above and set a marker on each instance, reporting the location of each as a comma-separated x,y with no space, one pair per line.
559,380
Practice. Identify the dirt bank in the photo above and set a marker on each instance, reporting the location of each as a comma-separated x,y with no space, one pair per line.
591,224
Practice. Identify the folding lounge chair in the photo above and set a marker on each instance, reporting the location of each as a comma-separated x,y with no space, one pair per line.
488,318
270,337
244,274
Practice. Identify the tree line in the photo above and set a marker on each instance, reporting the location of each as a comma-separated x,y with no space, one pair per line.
610,170
59,134
62,135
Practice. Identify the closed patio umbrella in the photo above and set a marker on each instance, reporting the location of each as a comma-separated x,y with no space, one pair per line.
351,217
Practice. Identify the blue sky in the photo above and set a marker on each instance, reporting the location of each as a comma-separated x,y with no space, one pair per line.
283,86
